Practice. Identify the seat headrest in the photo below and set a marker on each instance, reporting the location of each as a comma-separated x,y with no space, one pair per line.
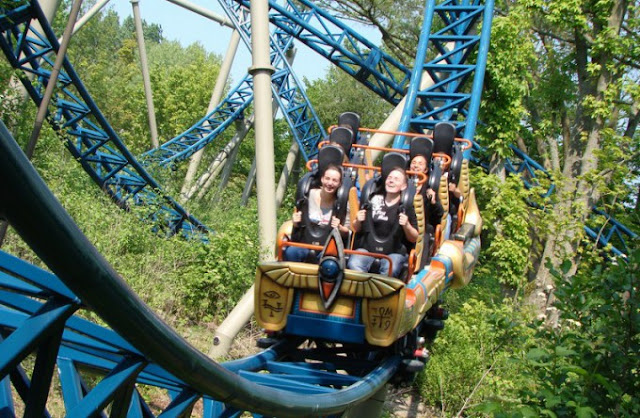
391,161
329,155
421,146
456,164
444,134
343,137
352,119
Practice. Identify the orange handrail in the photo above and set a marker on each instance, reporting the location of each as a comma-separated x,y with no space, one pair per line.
320,247
447,159
466,141
409,134
402,151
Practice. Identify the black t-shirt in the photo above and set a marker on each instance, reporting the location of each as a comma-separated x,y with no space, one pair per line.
434,211
385,218
454,202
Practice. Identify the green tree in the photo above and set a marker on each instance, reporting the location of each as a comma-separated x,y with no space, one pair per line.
582,113
338,92
152,31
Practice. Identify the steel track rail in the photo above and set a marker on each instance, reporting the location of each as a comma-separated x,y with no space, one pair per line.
341,45
86,132
449,30
291,96
47,325
287,89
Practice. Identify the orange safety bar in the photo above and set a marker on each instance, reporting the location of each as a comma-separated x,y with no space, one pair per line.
371,147
387,149
445,157
467,142
467,146
320,247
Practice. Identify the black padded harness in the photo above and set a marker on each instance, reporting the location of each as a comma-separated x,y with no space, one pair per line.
386,244
308,231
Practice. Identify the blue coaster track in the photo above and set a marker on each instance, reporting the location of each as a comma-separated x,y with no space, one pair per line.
453,40
88,135
37,317
340,44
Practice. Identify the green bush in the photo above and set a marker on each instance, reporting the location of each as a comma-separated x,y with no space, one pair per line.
225,268
507,219
590,364
470,359
180,279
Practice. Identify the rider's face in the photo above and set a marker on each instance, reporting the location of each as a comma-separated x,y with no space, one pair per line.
396,181
331,180
418,164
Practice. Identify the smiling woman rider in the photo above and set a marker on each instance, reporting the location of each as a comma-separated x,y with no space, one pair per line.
319,210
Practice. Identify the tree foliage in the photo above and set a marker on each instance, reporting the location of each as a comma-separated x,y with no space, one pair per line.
508,219
338,92
472,357
589,365
582,110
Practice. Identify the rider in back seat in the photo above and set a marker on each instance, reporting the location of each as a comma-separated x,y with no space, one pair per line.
321,201
387,221
444,134
420,152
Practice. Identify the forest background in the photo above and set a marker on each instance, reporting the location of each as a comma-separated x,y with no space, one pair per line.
550,323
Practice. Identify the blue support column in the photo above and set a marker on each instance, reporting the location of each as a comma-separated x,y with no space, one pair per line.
42,325
36,402
478,80
6,399
416,75
71,382
124,374
444,56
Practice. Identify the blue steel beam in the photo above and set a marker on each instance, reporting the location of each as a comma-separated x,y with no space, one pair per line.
88,135
446,54
340,44
527,168
103,393
206,129
6,398
287,89
75,391
33,332
181,403
46,353
609,233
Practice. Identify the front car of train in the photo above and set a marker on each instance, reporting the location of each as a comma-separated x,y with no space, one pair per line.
323,300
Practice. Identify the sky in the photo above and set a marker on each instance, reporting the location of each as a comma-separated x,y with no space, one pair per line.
188,27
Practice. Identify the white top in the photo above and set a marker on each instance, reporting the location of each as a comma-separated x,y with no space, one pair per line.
318,214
